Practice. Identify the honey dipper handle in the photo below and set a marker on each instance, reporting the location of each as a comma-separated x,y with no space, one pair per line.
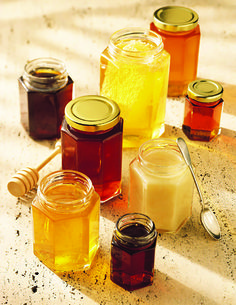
56,151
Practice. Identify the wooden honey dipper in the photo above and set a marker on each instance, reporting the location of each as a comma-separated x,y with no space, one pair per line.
26,178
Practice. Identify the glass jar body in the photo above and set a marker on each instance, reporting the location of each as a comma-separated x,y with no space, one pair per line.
202,120
183,48
45,88
97,154
134,72
161,185
133,251
66,221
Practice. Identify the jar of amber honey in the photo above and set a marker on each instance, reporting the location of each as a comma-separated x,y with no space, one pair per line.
134,71
178,26
66,221
161,185
45,88
91,142
133,251
203,108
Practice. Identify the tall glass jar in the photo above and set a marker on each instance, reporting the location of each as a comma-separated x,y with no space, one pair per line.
178,26
134,71
203,108
66,221
45,88
133,251
161,185
91,142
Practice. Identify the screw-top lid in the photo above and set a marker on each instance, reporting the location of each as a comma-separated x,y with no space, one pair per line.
205,90
175,19
92,113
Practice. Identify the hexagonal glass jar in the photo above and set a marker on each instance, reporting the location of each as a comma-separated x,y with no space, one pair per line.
91,139
161,185
66,221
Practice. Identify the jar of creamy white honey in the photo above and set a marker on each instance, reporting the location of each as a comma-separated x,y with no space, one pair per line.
161,185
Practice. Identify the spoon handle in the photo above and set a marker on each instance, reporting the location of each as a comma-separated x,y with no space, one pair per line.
185,153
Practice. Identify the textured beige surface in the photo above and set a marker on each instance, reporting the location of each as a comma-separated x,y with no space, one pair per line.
190,268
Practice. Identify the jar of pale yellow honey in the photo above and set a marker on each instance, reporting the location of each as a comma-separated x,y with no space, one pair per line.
161,185
134,71
66,221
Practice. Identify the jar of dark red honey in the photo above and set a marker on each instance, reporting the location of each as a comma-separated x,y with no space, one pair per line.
91,141
178,26
133,251
203,108
45,88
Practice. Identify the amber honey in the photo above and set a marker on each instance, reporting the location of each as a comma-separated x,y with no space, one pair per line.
178,26
66,221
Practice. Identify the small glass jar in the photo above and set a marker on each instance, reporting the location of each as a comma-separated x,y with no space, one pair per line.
161,185
203,108
134,71
180,32
133,251
66,221
91,139
45,88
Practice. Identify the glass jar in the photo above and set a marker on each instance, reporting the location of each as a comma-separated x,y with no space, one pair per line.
91,139
66,221
178,26
134,71
45,88
133,251
161,185
203,108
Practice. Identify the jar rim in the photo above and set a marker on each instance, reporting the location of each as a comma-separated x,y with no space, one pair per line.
61,177
136,218
136,33
163,143
57,79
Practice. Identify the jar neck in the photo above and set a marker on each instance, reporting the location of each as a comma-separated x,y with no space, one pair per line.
45,74
161,157
127,234
124,43
65,191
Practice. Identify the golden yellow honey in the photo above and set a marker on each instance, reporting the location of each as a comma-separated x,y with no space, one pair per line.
134,72
66,221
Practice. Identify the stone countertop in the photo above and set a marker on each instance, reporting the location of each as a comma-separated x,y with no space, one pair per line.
190,267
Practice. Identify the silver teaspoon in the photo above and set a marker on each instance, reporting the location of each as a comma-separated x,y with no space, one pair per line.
208,218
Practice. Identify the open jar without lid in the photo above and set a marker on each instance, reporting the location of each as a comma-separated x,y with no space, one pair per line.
66,221
133,251
203,109
45,88
91,138
178,26
161,185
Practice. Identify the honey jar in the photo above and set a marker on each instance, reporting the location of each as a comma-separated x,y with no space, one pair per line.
91,142
203,108
134,71
133,251
66,221
45,88
178,26
161,185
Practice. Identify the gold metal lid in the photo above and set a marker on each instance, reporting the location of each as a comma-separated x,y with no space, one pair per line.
175,19
205,90
92,113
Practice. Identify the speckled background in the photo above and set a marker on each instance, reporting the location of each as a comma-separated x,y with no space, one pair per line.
190,267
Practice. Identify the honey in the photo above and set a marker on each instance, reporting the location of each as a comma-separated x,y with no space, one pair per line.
133,251
134,71
178,26
45,88
161,186
66,221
